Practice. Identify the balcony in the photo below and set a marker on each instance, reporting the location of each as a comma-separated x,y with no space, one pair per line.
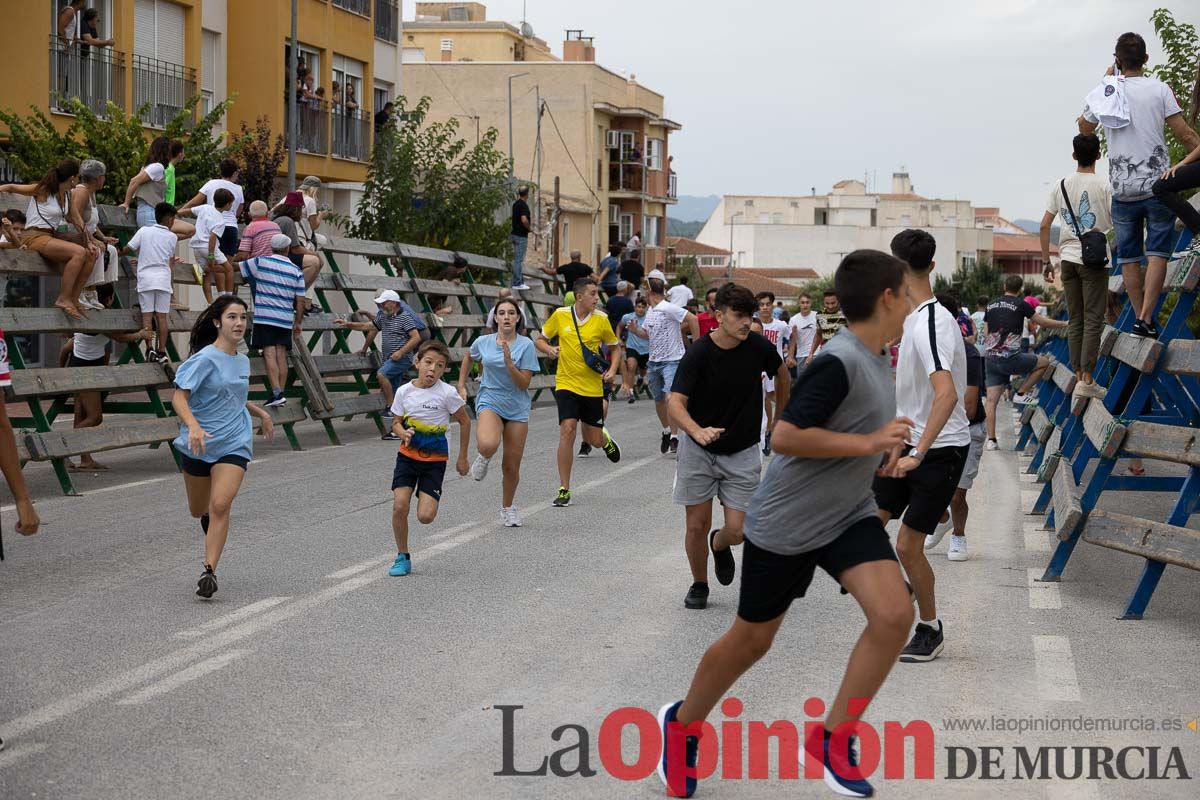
313,125
387,20
96,78
360,7
627,177
351,133
165,86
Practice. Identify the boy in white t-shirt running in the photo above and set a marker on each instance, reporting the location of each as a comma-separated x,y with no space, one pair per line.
210,227
155,246
421,414
776,331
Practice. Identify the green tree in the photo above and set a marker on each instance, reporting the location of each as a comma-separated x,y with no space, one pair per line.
34,144
203,147
1180,70
427,186
687,267
260,158
970,283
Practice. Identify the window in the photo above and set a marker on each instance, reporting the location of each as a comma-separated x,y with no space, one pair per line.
458,14
210,51
651,239
307,59
613,139
654,151
158,30
776,217
103,6
627,145
614,215
626,227
412,55
382,94
346,73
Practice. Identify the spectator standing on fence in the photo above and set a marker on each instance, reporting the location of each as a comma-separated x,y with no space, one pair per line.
83,199
1085,207
278,287
216,438
610,266
228,181
508,361
210,228
47,216
401,338
521,226
155,247
571,271
256,237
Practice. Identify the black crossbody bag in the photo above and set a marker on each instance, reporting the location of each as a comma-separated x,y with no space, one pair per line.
590,357
1093,243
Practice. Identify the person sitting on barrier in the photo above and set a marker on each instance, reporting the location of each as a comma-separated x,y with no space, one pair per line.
287,215
216,438
400,339
1180,178
91,350
454,271
256,237
278,288
83,197
156,255
47,215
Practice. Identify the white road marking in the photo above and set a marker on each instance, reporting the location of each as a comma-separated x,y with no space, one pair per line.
238,615
446,534
354,569
172,682
11,755
1037,538
1042,595
1055,668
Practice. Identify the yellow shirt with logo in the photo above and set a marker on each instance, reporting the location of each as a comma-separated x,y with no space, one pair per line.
574,375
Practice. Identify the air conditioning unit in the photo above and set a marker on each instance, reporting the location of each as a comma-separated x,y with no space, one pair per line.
613,139
614,215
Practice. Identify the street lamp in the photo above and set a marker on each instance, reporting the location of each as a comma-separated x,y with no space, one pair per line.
729,270
510,129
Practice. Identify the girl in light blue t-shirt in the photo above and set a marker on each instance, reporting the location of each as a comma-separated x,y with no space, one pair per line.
214,443
508,360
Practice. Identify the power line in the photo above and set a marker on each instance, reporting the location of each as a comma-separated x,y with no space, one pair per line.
463,108
553,121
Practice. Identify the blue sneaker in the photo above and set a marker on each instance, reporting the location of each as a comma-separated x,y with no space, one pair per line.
677,785
401,566
846,787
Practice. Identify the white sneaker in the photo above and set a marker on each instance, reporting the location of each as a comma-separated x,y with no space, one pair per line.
1093,390
89,299
992,444
935,538
1023,399
511,518
958,549
479,467
521,286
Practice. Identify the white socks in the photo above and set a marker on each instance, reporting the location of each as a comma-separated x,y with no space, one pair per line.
935,623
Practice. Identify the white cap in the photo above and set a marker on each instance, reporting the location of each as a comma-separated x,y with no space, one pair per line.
281,241
657,273
387,295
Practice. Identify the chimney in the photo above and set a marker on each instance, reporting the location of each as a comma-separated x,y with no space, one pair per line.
900,183
578,47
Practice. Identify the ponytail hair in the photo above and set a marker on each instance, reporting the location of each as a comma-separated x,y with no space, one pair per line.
204,332
56,176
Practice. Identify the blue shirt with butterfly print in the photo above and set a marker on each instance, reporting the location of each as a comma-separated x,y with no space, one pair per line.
1091,197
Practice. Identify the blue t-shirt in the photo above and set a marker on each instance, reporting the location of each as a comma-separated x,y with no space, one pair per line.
633,342
496,389
220,385
611,264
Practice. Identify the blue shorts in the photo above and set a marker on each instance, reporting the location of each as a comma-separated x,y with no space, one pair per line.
503,404
1147,218
659,377
997,371
396,372
424,476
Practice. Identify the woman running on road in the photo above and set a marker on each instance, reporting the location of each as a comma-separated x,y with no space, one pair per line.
215,438
509,360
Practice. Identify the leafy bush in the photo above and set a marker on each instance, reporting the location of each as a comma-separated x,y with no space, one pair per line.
260,159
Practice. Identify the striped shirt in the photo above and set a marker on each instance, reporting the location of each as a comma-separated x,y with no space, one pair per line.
276,282
395,330
256,238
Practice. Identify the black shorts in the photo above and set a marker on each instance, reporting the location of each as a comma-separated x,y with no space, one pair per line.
770,582
642,358
424,476
228,243
75,361
925,493
271,336
588,410
198,468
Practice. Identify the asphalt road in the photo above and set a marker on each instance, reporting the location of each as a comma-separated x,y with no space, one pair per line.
313,674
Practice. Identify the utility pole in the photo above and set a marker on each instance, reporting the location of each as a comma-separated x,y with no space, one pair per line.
293,126
553,249
511,161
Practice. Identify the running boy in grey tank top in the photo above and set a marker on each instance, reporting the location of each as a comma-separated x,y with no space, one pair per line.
815,508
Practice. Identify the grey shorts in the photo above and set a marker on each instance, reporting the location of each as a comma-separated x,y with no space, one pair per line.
700,475
971,467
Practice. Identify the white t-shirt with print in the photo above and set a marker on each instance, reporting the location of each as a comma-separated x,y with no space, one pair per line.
662,326
1091,197
777,332
1137,152
924,350
804,330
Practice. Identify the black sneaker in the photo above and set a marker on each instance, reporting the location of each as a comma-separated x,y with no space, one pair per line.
612,450
632,398
925,645
206,587
666,443
697,596
276,400
390,436
674,775
1152,328
204,523
723,562
674,445
563,498
1145,329
585,450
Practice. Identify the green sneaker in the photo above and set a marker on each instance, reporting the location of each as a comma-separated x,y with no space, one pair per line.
611,448
563,499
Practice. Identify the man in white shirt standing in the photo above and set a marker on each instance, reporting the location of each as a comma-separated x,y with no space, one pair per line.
776,332
681,293
800,341
918,481
663,327
1137,158
633,247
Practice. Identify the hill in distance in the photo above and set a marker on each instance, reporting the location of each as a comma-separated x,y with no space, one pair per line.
693,207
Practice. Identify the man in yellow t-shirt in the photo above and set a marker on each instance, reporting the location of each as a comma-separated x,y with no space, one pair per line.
579,389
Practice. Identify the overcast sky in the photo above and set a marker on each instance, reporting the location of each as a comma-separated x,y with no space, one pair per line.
977,98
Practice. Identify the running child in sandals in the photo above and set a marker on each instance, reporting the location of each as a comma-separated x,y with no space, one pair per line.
421,414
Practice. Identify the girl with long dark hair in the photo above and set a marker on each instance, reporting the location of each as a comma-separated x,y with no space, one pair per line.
216,435
509,360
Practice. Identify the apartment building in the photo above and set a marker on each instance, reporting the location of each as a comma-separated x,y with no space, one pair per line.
602,135
817,231
167,51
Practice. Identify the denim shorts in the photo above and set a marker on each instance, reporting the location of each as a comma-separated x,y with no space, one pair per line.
1144,228
997,371
659,377
396,371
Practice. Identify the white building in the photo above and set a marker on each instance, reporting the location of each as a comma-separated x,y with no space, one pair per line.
817,231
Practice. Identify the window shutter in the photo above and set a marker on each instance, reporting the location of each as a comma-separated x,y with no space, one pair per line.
170,33
144,33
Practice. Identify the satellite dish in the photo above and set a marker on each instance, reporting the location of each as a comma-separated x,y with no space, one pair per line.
526,30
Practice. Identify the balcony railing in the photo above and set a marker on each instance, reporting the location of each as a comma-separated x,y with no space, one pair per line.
351,133
362,7
387,20
95,78
627,178
673,186
312,117
165,86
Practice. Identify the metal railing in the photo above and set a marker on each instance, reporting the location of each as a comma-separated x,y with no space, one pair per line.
313,125
362,7
351,133
627,178
165,86
387,20
94,78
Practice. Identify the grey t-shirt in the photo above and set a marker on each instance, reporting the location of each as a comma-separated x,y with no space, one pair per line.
287,226
805,503
1137,153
